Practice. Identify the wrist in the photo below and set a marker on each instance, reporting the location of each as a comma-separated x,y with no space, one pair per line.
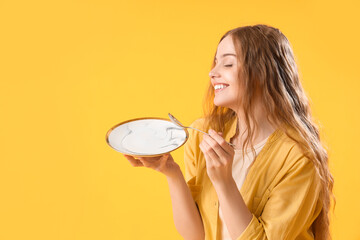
226,185
175,172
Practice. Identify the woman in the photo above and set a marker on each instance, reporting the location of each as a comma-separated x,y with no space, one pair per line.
274,183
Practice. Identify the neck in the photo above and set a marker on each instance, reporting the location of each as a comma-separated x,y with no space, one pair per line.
264,128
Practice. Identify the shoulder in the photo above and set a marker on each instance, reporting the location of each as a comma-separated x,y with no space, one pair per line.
286,161
290,152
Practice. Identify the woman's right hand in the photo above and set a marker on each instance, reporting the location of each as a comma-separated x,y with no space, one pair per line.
164,164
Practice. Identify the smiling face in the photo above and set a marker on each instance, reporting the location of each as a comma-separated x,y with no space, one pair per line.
224,75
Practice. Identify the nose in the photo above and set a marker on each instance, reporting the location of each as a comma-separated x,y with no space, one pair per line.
212,74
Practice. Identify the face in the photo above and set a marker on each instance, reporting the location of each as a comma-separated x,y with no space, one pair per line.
225,75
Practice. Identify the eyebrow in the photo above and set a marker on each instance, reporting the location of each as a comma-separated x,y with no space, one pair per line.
227,54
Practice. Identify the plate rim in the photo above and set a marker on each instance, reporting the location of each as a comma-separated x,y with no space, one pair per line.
143,118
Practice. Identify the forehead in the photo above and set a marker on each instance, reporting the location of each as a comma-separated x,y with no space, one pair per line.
225,46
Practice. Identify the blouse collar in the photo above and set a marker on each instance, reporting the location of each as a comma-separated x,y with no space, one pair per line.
231,129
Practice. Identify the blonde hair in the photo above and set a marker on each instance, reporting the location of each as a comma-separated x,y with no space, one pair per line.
268,67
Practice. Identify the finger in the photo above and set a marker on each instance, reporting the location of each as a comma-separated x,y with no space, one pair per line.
211,153
151,159
212,156
146,162
220,153
163,160
220,140
134,162
209,161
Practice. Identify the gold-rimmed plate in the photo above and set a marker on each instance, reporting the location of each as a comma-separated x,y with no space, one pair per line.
146,137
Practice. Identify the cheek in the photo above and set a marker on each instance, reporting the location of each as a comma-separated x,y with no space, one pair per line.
235,88
232,78
236,92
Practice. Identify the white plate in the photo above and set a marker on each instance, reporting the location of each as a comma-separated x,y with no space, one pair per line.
146,137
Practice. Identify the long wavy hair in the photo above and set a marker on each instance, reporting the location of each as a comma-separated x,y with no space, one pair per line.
268,67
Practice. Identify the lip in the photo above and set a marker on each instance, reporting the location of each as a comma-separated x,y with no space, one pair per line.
220,83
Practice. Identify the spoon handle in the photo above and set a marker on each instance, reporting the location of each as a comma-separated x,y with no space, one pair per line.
209,135
199,130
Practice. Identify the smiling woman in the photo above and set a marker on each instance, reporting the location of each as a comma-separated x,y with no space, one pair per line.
263,110
275,183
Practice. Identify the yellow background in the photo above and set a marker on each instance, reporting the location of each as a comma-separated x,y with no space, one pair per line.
70,70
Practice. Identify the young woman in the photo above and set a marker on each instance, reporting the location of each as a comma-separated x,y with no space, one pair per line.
274,182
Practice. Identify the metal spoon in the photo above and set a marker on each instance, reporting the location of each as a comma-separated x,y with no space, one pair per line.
174,120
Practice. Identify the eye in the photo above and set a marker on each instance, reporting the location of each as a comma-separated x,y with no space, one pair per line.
229,65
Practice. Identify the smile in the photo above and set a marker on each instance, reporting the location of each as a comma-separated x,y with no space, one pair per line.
220,87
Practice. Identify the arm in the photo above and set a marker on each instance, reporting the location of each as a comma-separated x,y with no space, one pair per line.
219,162
186,216
292,200
236,214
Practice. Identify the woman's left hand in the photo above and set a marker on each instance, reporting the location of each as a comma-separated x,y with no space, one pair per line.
219,157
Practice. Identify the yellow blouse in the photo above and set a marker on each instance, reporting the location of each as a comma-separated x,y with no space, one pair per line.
281,189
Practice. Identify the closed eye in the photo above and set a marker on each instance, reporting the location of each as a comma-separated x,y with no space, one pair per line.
228,65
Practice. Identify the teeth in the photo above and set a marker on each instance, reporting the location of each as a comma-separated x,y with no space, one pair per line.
220,86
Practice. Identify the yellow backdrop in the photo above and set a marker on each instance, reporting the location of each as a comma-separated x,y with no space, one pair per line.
70,70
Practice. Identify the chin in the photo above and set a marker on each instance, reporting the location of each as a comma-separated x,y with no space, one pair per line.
226,103
221,104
